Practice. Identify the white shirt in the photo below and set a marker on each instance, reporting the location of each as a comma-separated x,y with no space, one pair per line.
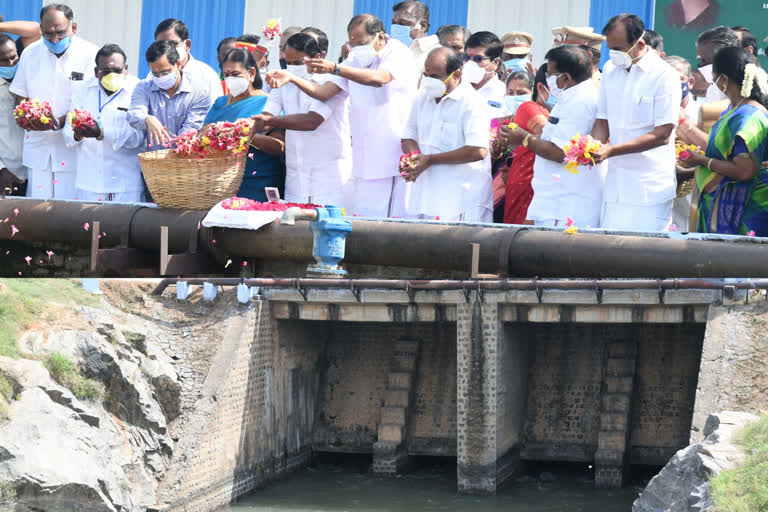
493,92
635,102
558,194
377,114
420,49
319,160
692,110
11,134
110,165
204,76
42,76
459,119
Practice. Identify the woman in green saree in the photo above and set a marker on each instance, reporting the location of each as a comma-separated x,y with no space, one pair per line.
731,177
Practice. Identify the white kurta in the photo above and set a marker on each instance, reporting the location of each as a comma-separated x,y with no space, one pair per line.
318,162
558,194
445,190
493,93
377,114
11,135
109,166
635,102
42,76
205,76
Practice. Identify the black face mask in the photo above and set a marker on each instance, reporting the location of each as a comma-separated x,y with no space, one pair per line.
283,64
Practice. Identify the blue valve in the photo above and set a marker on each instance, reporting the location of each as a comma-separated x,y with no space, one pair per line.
330,231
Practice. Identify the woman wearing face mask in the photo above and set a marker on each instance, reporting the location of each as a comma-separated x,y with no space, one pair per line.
264,165
530,116
730,176
318,143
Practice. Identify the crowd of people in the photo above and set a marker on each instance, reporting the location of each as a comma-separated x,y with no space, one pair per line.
484,130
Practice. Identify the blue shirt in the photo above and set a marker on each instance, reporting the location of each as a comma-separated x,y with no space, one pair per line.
182,112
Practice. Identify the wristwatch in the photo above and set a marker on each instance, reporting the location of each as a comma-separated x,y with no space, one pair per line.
336,70
525,140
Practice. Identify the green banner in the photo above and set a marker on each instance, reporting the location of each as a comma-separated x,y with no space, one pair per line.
681,21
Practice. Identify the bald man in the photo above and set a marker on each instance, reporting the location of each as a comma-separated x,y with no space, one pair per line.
448,126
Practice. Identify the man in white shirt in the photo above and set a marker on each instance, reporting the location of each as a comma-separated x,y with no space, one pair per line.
51,70
410,24
448,126
318,148
638,110
557,194
203,76
380,78
482,59
108,167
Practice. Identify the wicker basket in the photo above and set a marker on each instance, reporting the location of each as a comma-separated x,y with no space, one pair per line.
191,183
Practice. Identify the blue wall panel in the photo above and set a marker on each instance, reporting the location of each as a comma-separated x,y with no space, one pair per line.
209,21
444,12
15,10
601,11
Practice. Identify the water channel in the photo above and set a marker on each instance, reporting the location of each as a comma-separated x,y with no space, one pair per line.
341,486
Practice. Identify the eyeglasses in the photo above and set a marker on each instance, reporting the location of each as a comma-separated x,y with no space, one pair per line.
477,58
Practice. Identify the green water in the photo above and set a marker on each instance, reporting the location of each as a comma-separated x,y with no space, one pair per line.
349,487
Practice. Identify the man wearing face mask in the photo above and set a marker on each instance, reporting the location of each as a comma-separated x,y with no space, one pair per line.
638,110
410,24
107,169
448,125
380,78
51,71
167,103
517,53
707,45
481,61
559,195
586,38
202,75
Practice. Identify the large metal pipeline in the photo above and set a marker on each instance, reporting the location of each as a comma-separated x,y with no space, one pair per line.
510,250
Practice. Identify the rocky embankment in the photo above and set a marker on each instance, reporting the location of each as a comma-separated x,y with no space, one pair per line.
107,452
683,484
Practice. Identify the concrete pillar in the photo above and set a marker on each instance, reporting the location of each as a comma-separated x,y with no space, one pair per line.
491,376
612,455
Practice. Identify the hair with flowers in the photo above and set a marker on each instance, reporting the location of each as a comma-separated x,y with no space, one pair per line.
754,75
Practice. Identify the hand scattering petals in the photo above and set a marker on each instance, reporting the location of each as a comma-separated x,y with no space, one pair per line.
579,151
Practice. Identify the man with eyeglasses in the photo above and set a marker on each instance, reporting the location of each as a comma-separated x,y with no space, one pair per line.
481,60
50,72
638,109
167,103
202,75
107,169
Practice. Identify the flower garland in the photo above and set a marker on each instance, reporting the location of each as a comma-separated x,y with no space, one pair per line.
753,73
579,152
685,151
80,118
30,110
224,136
245,204
273,29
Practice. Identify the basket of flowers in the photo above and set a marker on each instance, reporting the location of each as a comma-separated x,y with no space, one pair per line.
199,169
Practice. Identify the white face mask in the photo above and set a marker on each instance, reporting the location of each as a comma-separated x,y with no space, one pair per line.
432,87
620,59
715,94
236,85
706,72
181,49
165,82
514,102
554,90
300,70
362,56
473,72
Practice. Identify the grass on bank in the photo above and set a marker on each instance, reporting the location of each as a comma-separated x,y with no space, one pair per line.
26,301
745,489
63,371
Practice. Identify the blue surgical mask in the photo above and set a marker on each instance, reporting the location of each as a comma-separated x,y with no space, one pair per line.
514,102
8,72
60,47
686,89
513,65
551,101
402,33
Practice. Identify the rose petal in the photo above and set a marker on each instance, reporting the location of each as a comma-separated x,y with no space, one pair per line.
86,226
15,211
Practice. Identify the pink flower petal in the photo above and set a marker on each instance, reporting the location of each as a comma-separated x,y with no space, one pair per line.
556,177
751,232
56,182
16,211
100,199
39,187
27,137
672,228
62,163
28,258
14,230
245,263
86,226
6,220
568,221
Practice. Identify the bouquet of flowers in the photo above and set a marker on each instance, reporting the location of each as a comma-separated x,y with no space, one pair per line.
244,204
224,136
273,29
684,151
30,110
406,163
579,152
81,118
